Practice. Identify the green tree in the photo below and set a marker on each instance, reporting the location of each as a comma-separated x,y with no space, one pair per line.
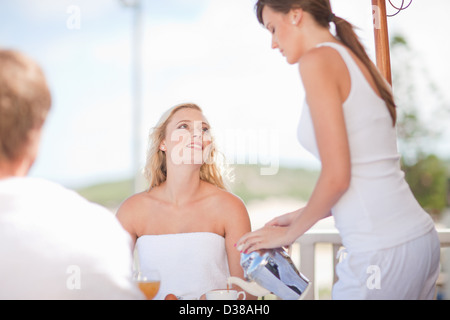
426,174
428,180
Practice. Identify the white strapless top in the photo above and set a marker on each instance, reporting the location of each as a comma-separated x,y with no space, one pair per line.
190,264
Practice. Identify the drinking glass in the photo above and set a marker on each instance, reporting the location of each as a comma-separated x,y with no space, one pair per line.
148,282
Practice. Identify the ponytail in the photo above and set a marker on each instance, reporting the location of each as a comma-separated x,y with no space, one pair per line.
346,33
322,13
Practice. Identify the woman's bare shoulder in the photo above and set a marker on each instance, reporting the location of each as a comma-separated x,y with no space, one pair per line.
233,212
228,206
321,59
134,205
225,198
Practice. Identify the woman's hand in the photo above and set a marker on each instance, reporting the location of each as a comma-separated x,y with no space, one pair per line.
284,220
279,232
268,237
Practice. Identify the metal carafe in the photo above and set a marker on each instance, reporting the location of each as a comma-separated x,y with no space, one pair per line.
274,271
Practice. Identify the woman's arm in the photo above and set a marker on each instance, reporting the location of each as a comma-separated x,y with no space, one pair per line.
126,216
236,224
322,75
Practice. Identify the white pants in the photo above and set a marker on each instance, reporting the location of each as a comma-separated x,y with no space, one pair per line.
405,272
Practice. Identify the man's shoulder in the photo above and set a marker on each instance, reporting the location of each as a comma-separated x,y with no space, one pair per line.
42,199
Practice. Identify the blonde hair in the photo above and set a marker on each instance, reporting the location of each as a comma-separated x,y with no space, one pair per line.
155,170
24,102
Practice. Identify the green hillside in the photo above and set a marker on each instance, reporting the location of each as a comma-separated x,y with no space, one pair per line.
248,184
109,194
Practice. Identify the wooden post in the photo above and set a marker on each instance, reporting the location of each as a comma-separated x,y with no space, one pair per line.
382,38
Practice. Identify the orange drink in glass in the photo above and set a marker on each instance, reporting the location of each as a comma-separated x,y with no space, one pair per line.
148,282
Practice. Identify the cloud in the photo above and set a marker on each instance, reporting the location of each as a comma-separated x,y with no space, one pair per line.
223,62
210,52
57,10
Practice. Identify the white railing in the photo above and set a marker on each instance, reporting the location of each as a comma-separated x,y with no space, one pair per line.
307,251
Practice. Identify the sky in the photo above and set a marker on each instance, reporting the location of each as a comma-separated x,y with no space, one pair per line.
210,52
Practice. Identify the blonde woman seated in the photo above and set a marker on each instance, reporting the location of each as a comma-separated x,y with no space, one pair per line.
186,224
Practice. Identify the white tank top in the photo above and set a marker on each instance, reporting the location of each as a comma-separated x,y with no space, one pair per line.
378,210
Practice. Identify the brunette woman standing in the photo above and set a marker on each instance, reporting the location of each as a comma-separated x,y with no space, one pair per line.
348,122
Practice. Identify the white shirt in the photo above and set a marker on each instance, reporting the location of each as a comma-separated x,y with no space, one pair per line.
54,244
378,210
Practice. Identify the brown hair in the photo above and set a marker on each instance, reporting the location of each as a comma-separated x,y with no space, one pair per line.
24,102
323,15
155,170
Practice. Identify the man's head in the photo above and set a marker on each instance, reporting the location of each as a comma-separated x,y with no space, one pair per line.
24,104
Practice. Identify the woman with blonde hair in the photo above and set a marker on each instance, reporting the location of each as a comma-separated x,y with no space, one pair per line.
186,224
348,122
